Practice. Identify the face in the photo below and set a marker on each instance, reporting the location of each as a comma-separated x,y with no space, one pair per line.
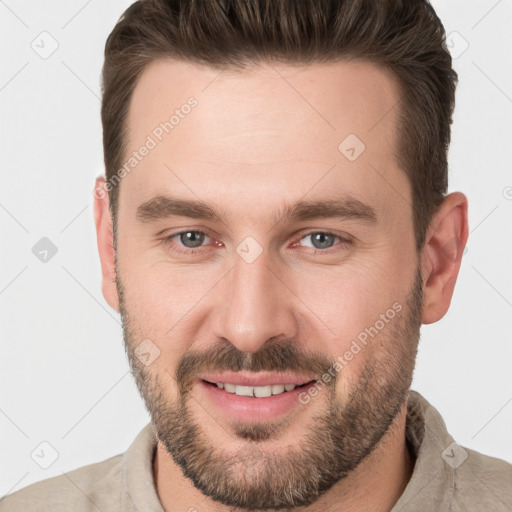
266,239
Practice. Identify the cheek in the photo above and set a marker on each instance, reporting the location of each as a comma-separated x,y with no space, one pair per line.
355,309
168,305
159,293
350,298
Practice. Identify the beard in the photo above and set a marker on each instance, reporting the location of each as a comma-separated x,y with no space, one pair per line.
335,442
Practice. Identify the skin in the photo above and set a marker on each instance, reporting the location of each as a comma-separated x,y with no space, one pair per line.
256,141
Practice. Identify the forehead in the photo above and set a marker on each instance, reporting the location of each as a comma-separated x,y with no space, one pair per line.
268,127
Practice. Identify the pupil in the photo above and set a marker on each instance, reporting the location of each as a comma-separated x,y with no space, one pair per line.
192,238
322,240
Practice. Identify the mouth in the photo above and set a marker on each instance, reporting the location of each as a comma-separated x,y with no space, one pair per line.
270,399
257,391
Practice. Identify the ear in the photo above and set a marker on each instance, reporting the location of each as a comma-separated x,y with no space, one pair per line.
442,255
105,238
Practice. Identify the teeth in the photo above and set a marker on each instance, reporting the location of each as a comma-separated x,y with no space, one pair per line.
230,388
262,391
257,391
244,390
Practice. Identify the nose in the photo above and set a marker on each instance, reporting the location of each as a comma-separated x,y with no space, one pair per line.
254,306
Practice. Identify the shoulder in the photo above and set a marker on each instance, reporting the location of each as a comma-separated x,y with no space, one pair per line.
83,489
456,478
483,482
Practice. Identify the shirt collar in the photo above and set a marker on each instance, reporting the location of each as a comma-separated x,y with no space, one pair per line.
432,481
138,489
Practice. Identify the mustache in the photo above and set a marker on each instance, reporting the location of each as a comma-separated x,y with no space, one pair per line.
272,356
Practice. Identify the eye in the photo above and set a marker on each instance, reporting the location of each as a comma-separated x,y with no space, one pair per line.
192,239
321,240
187,241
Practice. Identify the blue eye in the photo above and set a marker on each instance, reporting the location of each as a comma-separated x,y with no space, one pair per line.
187,242
191,239
321,239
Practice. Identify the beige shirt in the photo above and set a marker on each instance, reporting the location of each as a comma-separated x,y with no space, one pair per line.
446,476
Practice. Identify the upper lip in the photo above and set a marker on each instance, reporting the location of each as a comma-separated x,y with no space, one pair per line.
257,378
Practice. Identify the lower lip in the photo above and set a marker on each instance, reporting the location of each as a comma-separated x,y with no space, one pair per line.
252,409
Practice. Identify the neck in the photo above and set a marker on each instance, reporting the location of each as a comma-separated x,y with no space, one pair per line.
374,486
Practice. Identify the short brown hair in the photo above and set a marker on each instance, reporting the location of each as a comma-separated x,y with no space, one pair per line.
403,36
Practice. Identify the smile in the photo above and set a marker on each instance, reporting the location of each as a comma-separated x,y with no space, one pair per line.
256,391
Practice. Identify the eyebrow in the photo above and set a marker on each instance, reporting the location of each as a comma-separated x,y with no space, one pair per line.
162,207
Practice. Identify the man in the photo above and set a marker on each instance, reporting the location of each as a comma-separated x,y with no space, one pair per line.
273,229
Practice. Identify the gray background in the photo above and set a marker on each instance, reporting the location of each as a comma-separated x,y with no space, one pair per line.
64,374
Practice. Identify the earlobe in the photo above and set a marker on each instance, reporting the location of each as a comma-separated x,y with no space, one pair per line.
105,239
442,255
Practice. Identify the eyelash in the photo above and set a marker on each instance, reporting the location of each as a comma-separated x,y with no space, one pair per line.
184,250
